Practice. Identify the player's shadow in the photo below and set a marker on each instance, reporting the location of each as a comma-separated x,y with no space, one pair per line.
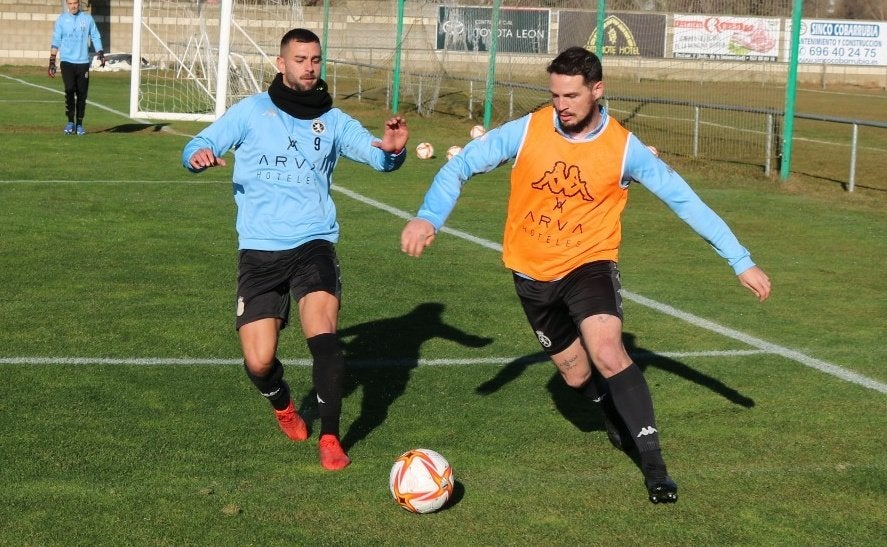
587,417
380,356
135,128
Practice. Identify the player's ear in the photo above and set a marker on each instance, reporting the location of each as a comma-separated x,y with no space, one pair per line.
280,64
597,90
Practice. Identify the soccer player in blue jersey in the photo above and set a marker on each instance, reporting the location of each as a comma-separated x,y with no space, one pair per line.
286,143
70,37
572,167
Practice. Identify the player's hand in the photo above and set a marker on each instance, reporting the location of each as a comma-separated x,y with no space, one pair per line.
395,137
416,235
100,55
205,158
52,68
755,280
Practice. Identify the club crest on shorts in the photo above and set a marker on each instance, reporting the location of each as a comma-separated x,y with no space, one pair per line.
318,127
544,340
241,306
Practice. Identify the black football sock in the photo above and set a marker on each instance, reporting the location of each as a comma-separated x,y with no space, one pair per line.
596,387
598,391
327,372
632,399
272,386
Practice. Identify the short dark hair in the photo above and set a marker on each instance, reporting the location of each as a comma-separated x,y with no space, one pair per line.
578,61
299,35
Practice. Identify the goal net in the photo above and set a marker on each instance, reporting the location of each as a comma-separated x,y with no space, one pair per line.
202,56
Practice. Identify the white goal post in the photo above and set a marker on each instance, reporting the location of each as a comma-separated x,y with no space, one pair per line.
201,56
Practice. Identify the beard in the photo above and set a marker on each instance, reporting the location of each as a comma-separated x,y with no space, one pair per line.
579,125
300,85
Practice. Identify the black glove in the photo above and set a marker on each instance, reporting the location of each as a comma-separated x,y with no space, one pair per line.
52,68
100,55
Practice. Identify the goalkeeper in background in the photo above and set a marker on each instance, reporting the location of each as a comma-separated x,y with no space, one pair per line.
287,142
70,37
573,164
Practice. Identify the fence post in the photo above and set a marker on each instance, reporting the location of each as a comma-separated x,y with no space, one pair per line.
769,145
695,131
470,99
853,158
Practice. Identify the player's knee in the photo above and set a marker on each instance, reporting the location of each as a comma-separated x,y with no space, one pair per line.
609,367
610,359
259,363
576,381
575,374
573,365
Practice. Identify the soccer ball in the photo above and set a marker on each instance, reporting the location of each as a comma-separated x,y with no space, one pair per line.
452,151
424,150
421,480
477,131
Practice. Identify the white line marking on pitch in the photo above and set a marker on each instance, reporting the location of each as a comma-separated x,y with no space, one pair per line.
97,105
149,361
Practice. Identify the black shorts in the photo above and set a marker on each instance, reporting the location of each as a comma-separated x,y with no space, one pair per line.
265,279
555,308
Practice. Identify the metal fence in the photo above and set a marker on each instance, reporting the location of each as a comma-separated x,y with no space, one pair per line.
842,150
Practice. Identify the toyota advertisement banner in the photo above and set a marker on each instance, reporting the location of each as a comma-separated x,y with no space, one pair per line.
470,29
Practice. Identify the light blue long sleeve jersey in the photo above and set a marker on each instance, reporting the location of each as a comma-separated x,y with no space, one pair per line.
71,35
283,169
503,143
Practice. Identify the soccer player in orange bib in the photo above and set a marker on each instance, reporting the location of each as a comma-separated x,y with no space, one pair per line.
571,171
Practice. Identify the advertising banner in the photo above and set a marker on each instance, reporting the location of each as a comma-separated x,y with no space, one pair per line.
722,37
840,42
462,28
631,34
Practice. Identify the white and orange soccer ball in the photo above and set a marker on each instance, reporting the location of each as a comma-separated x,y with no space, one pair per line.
452,151
477,131
424,150
421,480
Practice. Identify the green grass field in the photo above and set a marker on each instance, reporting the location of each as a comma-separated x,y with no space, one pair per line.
127,420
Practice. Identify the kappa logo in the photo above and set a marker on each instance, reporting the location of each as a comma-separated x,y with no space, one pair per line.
649,430
241,306
319,400
564,180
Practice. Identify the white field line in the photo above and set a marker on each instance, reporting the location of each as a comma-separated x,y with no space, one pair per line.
406,362
762,345
61,92
91,103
